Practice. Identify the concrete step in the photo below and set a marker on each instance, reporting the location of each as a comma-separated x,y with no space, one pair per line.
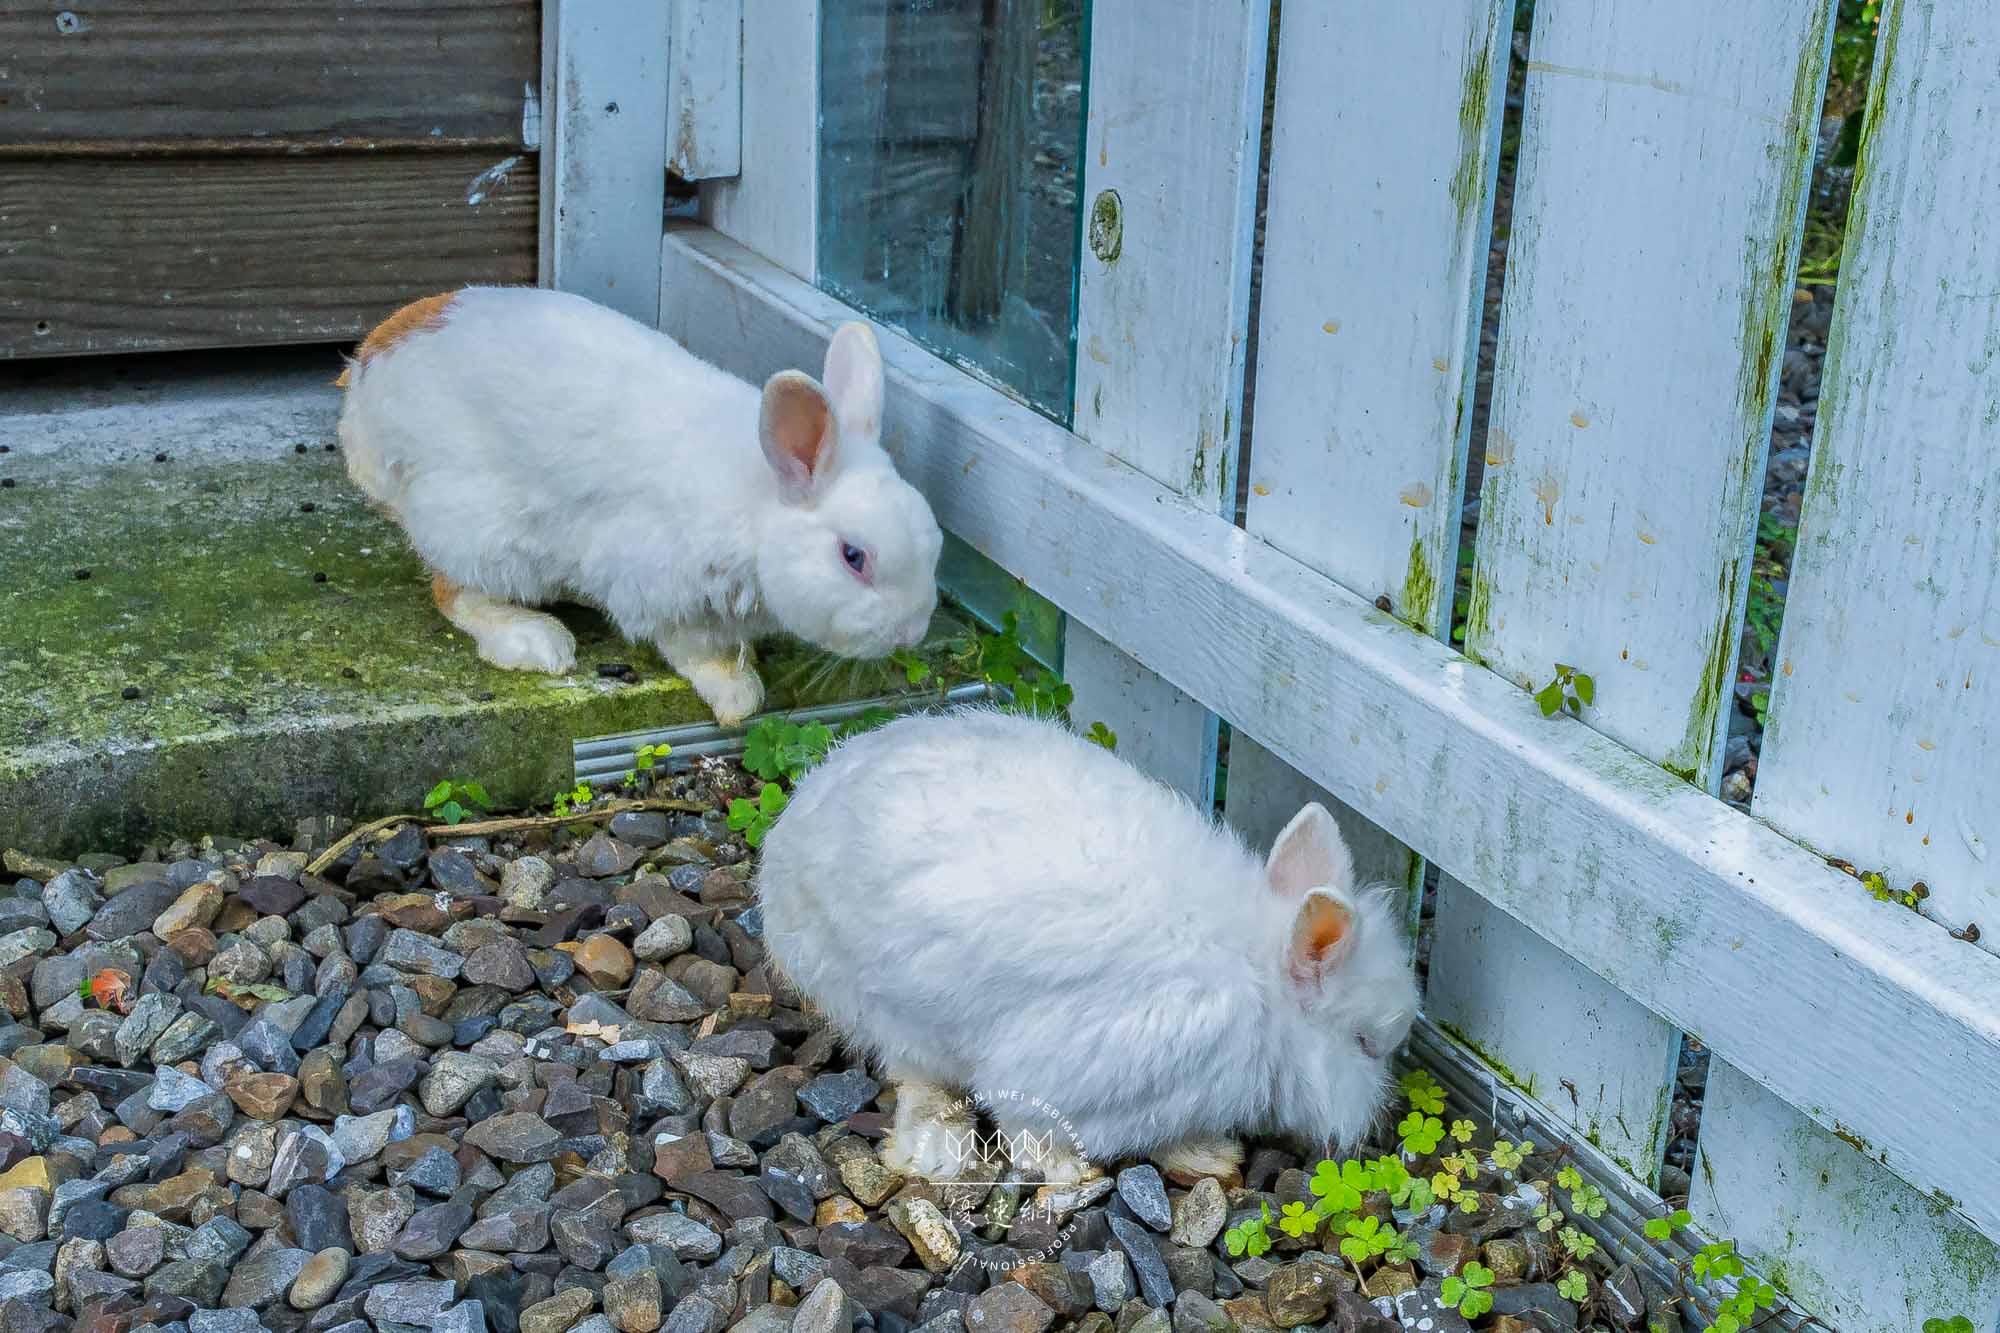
230,638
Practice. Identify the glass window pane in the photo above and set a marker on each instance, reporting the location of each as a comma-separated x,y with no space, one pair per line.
949,137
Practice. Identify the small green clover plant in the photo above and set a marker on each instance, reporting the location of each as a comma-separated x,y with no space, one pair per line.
1958,1323
1467,1292
1663,1228
1423,1092
753,818
1717,1260
1099,734
1579,1244
1350,1194
1339,1186
453,801
777,748
1571,690
1420,1133
1588,1200
1367,1238
1738,1310
1249,1237
1298,1220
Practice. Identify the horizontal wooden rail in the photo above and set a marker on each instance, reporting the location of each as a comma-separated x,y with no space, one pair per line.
1868,1018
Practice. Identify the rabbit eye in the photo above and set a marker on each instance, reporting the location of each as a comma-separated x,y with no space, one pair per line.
1367,1046
856,560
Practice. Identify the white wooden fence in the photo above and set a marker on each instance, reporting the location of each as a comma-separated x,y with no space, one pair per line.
1598,900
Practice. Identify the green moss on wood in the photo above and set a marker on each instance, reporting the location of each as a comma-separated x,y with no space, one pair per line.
1696,754
1419,598
1478,613
1474,130
1486,1057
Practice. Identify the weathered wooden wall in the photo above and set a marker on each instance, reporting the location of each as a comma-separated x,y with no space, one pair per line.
276,75
121,256
178,176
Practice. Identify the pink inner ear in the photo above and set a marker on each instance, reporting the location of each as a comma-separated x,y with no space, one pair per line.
1322,925
797,429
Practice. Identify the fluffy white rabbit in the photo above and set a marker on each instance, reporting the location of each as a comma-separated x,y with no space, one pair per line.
535,445
990,904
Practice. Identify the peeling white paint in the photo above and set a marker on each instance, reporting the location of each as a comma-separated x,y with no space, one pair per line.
490,180
531,118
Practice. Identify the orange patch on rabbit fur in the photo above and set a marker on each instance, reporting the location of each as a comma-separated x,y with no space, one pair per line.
416,317
444,593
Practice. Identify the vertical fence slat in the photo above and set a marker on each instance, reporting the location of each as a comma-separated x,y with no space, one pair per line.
705,88
1884,744
1383,152
1174,113
1883,747
1657,209
1849,1240
1383,156
772,204
604,152
1173,117
1160,730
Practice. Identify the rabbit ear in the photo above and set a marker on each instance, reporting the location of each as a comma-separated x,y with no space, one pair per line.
1322,937
854,379
796,429
1309,854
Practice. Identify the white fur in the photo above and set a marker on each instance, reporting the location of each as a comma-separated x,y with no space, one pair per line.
987,902
536,445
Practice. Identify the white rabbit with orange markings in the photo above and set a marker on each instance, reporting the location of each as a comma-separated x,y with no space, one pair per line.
535,445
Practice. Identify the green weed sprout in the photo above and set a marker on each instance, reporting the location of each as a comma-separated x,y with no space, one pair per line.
753,818
453,800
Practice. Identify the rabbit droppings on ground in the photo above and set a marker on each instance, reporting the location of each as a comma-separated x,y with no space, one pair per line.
535,445
990,905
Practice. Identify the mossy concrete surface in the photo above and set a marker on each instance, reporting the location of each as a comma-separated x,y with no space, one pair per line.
231,638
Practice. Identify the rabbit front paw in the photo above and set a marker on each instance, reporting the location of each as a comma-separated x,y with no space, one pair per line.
924,1152
933,1138
731,693
718,666
530,642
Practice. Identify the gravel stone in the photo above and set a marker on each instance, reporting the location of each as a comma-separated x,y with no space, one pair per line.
70,900
835,1097
1146,1195
518,1137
